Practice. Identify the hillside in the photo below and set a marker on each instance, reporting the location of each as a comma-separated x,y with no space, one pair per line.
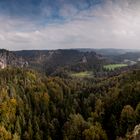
106,51
55,60
133,56
36,107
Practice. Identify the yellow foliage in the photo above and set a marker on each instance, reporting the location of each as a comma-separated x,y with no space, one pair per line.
16,137
46,97
4,134
13,101
31,76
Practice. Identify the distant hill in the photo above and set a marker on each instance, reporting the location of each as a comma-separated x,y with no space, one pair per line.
134,56
106,51
62,61
128,58
53,60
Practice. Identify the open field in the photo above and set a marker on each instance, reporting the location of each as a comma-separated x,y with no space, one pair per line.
82,74
114,66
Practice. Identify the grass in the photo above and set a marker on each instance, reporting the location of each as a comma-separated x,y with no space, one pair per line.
114,66
85,74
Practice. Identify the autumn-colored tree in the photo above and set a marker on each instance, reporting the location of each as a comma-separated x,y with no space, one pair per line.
127,120
95,132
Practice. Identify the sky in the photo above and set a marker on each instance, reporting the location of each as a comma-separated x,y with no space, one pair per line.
63,24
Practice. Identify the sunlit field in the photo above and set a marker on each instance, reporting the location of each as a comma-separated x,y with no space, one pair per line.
114,66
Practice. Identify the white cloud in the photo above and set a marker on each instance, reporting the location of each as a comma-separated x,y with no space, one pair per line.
103,26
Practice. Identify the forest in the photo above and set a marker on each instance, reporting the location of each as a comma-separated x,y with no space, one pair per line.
35,106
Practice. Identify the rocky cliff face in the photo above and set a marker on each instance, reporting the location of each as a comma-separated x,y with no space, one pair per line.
8,58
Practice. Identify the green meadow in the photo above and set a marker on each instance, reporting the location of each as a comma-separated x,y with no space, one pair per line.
114,66
82,74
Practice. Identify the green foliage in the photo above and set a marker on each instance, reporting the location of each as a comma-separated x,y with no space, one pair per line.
75,127
95,132
137,112
127,119
36,107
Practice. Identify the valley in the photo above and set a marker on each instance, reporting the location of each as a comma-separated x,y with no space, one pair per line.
67,95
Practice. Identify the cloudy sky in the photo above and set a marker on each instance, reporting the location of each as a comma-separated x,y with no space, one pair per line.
53,24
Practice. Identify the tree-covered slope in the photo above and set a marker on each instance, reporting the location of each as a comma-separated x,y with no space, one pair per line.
56,61
36,107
